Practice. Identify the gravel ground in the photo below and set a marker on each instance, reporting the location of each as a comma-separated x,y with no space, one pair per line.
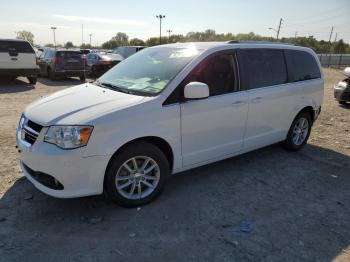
297,205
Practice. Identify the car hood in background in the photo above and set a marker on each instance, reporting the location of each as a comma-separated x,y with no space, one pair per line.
78,105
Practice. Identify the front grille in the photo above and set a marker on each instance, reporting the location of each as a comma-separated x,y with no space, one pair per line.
44,179
30,131
34,126
345,95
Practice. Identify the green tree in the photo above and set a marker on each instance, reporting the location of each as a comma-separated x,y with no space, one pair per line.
69,45
49,45
26,35
136,41
340,47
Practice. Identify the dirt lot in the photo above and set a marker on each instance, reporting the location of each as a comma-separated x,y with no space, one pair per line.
298,204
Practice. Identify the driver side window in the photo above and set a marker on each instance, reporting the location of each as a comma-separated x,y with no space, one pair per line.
218,72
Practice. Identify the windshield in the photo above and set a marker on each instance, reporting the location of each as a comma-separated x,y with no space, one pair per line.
150,70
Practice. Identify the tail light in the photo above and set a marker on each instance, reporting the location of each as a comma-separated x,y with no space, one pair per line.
106,62
56,60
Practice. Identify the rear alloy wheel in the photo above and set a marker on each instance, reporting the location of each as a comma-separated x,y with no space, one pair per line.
299,132
136,175
32,79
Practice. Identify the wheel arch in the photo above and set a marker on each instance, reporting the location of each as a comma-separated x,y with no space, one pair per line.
309,110
159,142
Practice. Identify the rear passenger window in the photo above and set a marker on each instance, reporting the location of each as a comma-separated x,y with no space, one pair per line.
17,46
262,67
301,66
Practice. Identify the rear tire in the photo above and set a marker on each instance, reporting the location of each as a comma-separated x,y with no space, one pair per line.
299,132
129,185
51,75
32,79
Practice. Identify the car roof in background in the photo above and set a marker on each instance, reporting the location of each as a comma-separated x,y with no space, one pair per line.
209,45
13,40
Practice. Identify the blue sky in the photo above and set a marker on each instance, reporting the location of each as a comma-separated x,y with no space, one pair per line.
137,18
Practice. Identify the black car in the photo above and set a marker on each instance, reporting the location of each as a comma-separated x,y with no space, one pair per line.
342,90
99,63
56,63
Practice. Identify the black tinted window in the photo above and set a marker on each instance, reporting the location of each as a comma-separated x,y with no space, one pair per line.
262,67
16,46
218,73
301,66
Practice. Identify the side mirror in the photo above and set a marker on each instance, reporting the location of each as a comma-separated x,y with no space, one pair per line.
196,90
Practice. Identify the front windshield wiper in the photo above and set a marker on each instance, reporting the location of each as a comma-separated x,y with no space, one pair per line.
113,87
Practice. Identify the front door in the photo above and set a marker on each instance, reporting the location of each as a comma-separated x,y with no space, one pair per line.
213,128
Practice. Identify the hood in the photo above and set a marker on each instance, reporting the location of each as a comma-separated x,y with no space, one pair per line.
78,105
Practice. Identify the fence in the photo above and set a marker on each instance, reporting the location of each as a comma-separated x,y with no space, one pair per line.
334,60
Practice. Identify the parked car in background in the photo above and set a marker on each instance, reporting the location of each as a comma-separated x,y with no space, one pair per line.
17,58
56,63
86,51
165,110
126,51
342,89
100,62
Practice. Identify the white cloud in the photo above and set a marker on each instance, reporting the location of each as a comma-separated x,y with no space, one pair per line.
31,25
99,20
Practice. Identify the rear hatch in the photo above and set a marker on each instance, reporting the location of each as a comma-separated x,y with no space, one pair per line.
70,60
16,54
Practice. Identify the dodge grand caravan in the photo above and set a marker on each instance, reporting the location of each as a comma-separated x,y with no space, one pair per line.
167,109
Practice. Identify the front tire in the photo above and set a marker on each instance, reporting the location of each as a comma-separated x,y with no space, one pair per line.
299,132
136,175
32,79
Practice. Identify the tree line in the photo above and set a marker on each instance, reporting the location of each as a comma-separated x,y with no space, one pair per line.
122,39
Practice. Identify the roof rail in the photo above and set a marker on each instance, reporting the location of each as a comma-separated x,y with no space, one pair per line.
256,42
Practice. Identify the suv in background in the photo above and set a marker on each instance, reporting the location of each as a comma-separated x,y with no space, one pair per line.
126,51
55,63
17,58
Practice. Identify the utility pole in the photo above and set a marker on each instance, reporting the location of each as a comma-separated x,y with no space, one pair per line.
335,38
82,34
90,39
160,17
330,47
54,34
277,30
296,34
330,36
169,32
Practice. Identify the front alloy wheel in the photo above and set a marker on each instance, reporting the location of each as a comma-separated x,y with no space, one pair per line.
137,177
136,174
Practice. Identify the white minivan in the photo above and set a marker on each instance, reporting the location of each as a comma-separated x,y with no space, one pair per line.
167,109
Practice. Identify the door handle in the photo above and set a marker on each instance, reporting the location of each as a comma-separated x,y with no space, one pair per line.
256,99
239,103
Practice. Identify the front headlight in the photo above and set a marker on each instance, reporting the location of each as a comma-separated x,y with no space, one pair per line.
68,137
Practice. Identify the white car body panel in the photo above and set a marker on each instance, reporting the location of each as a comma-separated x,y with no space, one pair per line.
198,131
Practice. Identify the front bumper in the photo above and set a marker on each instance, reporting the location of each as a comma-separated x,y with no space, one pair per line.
341,92
20,72
79,175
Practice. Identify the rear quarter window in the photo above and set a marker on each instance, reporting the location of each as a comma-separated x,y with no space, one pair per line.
301,66
17,46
